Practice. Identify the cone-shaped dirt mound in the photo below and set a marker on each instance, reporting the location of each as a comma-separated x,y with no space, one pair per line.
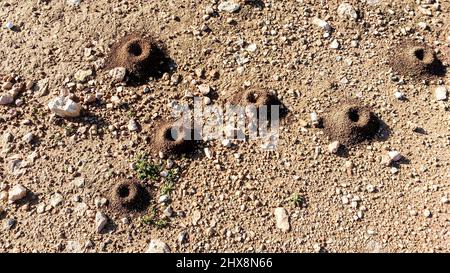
130,196
413,59
351,123
173,138
142,56
257,98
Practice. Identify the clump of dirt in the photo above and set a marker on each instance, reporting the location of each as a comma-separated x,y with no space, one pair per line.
351,123
130,196
142,56
173,138
413,59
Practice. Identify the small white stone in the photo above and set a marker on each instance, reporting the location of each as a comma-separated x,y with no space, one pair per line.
157,246
16,193
132,125
333,147
28,138
82,76
422,25
64,107
226,143
100,221
345,10
208,153
9,25
118,74
344,200
204,89
314,118
282,219
444,200
75,3
229,6
56,200
398,95
395,156
251,48
163,198
334,44
321,23
440,92
427,213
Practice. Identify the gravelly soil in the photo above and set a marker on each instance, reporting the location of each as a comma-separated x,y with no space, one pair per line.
348,202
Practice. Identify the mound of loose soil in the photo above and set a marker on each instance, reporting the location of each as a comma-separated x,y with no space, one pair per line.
413,59
173,138
130,196
351,123
142,56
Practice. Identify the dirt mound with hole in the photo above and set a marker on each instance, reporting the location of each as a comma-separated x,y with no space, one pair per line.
173,138
130,196
413,59
141,55
257,98
351,123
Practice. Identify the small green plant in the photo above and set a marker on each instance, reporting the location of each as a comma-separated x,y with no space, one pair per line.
161,223
152,219
145,169
167,187
297,199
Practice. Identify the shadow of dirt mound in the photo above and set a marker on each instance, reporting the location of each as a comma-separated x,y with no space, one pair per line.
413,59
351,123
142,56
130,196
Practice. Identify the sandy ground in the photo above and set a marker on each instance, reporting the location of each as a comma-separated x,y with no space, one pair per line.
225,201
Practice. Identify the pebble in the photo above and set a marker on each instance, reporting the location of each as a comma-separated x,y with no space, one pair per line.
334,44
229,6
208,153
333,147
75,3
64,107
314,118
345,10
282,219
163,198
440,92
9,25
56,200
82,76
204,89
16,193
444,200
398,95
28,138
157,246
226,143
395,156
9,223
118,74
427,213
182,237
321,23
132,125
100,221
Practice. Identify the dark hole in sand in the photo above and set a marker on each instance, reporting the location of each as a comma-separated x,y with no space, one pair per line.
171,134
124,191
353,114
135,49
419,53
